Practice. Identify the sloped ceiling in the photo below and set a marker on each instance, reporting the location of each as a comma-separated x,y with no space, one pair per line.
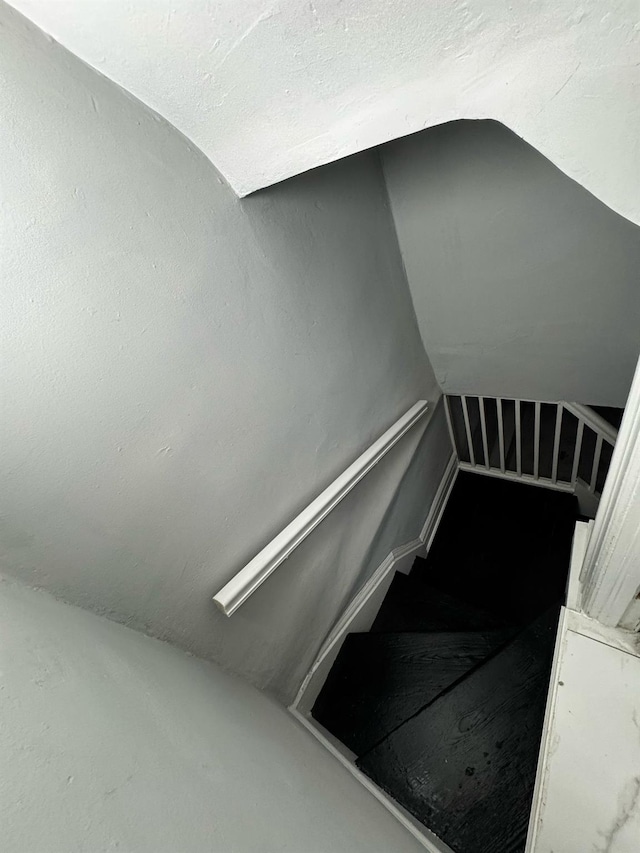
271,88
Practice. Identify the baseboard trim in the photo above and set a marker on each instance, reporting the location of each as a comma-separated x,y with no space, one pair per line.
359,616
545,743
429,841
581,534
529,479
363,608
439,502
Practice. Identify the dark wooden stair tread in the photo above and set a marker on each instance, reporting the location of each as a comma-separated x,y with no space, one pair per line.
380,680
502,546
465,766
415,607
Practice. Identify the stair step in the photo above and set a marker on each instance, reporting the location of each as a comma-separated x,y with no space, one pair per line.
378,681
416,607
465,766
502,546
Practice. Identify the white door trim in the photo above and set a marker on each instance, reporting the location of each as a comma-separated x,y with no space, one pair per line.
611,571
545,743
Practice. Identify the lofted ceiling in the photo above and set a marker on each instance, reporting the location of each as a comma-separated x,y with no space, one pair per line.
271,88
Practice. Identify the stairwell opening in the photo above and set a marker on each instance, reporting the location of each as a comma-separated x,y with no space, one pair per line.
522,284
443,700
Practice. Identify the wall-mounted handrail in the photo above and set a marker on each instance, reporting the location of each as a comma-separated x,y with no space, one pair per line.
248,579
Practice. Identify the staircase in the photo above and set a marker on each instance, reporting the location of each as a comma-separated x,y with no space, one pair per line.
443,700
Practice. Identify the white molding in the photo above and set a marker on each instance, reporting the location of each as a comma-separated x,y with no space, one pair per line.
447,411
581,534
439,502
359,616
617,638
363,608
611,573
516,478
247,580
427,839
545,742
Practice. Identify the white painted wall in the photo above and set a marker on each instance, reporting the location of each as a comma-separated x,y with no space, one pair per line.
271,88
524,284
184,371
110,740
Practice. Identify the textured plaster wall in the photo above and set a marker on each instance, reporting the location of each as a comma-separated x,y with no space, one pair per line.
271,88
110,740
524,284
184,371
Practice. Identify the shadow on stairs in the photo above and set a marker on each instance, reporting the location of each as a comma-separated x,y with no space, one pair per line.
443,700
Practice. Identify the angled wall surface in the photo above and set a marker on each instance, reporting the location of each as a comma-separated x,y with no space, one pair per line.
185,371
110,740
524,284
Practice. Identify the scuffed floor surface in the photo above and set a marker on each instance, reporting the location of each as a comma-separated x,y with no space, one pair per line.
591,795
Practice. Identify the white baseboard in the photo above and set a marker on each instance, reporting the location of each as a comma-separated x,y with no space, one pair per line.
358,617
618,638
581,534
439,502
528,479
361,612
428,840
545,743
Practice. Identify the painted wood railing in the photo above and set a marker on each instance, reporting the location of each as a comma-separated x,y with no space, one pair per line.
255,573
559,445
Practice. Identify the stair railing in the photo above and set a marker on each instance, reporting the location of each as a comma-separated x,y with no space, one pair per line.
248,579
564,446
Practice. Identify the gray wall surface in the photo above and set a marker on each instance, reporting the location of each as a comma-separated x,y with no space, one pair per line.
524,284
405,517
110,740
184,371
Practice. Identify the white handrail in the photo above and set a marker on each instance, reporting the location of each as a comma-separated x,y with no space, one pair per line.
248,579
593,420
